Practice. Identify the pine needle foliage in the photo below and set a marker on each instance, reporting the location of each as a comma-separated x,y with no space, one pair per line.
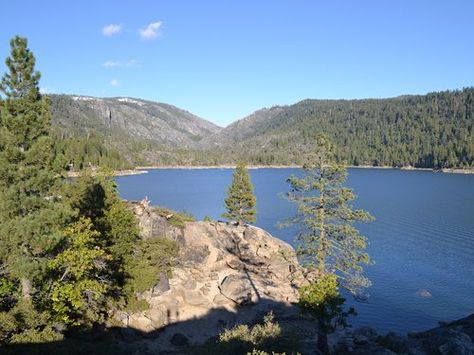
328,241
327,238
70,250
240,201
79,291
31,211
323,300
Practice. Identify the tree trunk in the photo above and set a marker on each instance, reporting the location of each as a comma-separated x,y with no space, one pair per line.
323,346
25,289
321,252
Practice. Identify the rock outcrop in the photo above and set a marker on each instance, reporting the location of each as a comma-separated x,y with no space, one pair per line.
226,274
231,274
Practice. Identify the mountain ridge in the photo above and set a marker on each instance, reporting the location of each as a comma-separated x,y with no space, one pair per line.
117,112
134,131
426,131
430,131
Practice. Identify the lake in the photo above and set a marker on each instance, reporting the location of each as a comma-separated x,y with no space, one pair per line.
422,241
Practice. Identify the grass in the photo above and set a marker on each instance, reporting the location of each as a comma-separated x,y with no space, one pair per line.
176,219
263,338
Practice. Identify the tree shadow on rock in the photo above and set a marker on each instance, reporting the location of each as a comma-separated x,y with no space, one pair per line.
220,331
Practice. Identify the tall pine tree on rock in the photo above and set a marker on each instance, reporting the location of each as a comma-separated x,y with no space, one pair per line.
240,201
328,240
30,211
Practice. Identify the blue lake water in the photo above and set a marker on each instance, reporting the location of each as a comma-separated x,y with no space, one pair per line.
422,238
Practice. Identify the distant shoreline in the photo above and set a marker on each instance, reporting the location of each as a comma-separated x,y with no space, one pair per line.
411,168
75,174
252,167
202,167
139,170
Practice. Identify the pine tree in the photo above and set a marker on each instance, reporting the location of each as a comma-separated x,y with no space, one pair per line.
323,300
135,265
240,201
31,214
327,237
328,240
78,294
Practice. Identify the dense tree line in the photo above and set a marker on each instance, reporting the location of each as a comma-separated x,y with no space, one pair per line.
78,153
431,131
427,131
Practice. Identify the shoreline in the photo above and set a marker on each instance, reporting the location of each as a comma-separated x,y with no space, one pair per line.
139,170
203,167
254,167
75,174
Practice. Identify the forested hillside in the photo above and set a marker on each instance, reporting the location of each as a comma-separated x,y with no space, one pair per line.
431,131
434,131
122,132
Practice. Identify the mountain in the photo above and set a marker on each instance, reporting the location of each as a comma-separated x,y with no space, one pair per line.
241,129
139,131
434,131
137,119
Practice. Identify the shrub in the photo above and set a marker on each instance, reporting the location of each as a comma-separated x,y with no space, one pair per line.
176,219
262,338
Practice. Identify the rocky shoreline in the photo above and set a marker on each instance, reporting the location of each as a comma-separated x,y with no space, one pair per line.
450,338
230,274
226,275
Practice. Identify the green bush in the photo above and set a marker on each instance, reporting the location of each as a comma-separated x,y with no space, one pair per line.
262,338
152,258
24,324
135,305
176,219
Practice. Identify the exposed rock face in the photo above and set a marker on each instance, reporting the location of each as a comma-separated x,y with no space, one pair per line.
235,274
125,120
222,268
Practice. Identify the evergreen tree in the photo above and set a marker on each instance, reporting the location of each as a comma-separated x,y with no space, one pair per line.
240,201
78,295
328,240
135,265
25,324
31,214
322,299
73,272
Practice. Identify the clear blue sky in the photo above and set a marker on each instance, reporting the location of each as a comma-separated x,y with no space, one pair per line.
224,59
